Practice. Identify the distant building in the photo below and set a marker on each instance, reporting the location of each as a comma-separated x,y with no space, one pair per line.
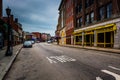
28,36
37,35
43,37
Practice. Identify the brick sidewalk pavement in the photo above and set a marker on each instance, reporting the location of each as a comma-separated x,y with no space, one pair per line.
6,62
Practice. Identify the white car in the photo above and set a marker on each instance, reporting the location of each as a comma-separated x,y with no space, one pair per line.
27,44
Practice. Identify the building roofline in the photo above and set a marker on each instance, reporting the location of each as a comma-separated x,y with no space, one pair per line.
60,4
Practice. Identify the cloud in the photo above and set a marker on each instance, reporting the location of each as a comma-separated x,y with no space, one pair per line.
37,15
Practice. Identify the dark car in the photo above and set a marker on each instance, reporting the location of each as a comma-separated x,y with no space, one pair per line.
27,44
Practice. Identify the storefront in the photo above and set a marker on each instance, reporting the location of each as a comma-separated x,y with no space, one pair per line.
105,35
89,37
102,36
78,38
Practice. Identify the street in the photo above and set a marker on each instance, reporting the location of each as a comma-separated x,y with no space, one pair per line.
51,62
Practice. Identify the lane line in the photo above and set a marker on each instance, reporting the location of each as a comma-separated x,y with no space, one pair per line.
114,68
117,77
99,78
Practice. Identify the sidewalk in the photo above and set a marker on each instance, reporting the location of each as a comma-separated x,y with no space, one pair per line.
93,48
6,62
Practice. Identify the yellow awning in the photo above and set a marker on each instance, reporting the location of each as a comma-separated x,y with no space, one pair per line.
77,32
108,25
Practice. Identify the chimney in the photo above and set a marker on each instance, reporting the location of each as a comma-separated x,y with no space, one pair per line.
16,20
0,8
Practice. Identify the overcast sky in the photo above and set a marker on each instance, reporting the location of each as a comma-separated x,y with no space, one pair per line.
35,15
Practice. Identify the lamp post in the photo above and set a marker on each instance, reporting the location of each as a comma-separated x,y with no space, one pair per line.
9,51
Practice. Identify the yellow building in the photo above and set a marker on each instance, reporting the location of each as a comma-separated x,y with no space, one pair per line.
63,37
99,35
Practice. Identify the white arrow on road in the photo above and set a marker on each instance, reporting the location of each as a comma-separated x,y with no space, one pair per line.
117,77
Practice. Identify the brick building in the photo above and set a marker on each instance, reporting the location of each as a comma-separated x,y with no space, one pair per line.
62,14
37,35
69,10
95,22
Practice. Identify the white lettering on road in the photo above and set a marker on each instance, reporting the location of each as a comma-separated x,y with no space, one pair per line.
98,78
114,68
61,59
51,61
117,77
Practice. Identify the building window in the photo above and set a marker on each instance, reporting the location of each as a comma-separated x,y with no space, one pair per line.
87,19
61,18
86,3
91,2
91,17
79,22
78,38
79,8
109,10
102,13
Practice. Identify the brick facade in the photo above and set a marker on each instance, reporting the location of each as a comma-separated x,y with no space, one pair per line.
69,20
94,7
95,22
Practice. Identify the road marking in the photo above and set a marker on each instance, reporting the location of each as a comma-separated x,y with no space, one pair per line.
99,78
117,77
51,61
114,68
61,59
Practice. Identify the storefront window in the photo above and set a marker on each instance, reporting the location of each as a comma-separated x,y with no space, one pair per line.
78,38
101,37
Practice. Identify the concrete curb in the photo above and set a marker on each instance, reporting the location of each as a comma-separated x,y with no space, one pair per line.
3,74
117,51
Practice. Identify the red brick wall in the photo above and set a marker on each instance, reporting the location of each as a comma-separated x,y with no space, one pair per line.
69,17
37,34
69,20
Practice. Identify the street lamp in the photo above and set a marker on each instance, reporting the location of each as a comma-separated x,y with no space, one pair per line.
9,51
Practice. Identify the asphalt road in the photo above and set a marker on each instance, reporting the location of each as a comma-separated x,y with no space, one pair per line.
51,62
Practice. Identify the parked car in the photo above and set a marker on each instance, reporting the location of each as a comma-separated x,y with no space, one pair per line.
49,41
27,44
32,42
